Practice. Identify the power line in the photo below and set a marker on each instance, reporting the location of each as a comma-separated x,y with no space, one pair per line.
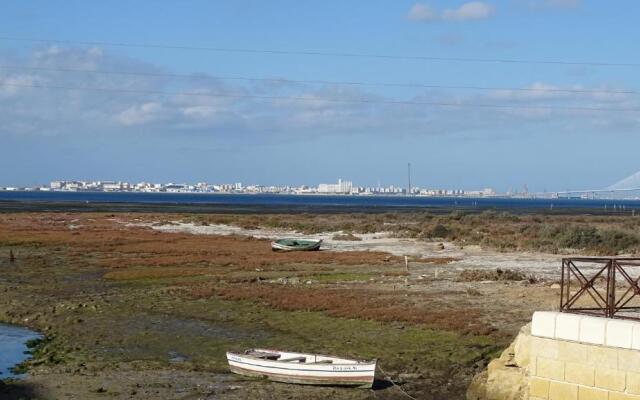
325,82
322,53
333,100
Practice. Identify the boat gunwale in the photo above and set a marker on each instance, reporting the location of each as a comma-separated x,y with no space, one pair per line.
354,361
302,239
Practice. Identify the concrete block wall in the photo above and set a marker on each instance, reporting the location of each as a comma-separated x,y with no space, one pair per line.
574,357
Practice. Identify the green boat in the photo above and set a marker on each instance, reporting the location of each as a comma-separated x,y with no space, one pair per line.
292,244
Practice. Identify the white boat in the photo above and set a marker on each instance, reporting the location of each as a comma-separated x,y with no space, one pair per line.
293,244
302,368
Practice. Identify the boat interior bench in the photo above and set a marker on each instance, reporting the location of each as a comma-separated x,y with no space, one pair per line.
276,357
263,355
300,359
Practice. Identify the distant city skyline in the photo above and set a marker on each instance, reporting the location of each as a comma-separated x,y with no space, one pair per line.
341,187
291,92
624,189
631,181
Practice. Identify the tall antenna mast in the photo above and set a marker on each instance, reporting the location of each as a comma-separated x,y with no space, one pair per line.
409,175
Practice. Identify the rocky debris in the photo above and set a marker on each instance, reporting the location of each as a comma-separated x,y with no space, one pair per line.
286,281
484,275
506,378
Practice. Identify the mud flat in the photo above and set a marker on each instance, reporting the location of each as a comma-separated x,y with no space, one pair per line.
145,306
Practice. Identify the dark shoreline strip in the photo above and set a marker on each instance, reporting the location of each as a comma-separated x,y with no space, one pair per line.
12,206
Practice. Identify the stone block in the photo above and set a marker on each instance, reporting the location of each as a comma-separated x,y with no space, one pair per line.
622,396
522,350
610,379
539,388
572,351
635,339
568,326
629,360
494,365
543,347
619,334
604,357
506,383
633,382
592,330
589,393
579,373
562,391
533,370
543,324
550,368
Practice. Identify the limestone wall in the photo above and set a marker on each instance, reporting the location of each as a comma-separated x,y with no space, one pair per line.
573,357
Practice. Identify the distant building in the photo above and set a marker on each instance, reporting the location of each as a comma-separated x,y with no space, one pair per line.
112,186
178,188
488,192
342,187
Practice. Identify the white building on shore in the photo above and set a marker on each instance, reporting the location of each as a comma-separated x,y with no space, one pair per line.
342,187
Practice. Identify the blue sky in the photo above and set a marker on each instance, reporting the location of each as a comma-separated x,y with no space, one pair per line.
79,134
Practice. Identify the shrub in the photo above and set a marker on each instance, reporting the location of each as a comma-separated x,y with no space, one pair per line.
439,231
347,237
474,275
580,238
612,241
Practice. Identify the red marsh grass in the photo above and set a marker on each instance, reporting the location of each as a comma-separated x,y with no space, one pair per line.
354,304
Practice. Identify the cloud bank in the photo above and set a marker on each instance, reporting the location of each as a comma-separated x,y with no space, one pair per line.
473,10
206,106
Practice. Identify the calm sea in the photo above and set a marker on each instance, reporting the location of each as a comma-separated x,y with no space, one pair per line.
310,201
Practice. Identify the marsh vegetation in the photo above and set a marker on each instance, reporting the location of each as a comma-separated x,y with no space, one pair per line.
125,308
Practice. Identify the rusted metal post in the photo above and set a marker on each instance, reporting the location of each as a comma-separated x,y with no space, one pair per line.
568,293
612,290
562,286
612,297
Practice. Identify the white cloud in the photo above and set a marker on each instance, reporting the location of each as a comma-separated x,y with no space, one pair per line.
468,11
140,114
473,10
13,85
422,12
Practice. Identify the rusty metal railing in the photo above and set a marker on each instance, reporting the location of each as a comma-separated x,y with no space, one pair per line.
603,286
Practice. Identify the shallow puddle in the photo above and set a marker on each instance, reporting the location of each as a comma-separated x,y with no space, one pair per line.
13,347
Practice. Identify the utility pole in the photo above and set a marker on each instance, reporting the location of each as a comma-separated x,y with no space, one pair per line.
409,175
